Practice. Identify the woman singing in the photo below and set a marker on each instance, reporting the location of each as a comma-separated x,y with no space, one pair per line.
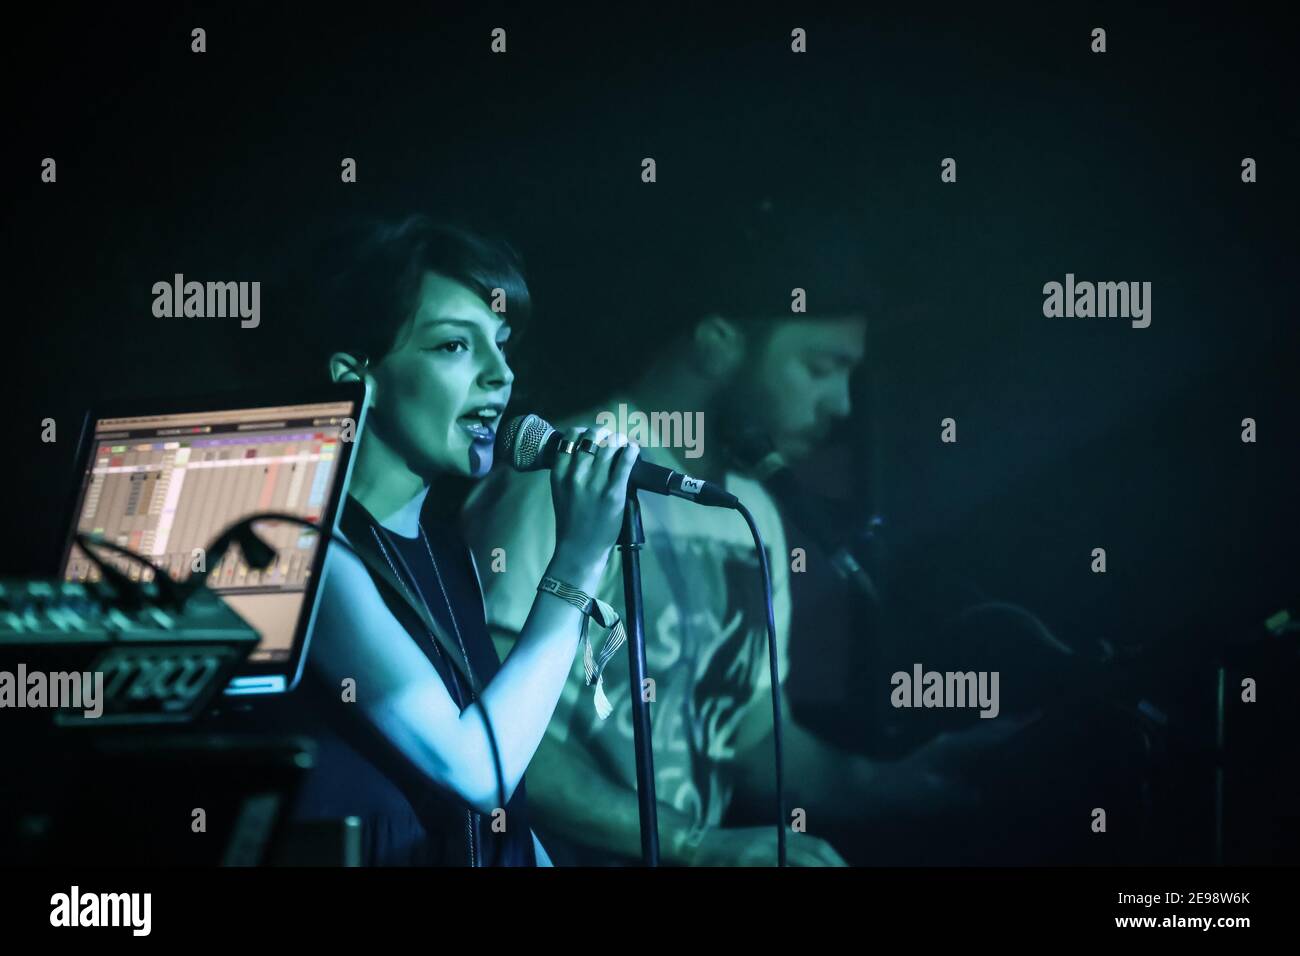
422,313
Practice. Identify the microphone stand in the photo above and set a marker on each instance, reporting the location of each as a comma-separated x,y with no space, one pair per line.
630,540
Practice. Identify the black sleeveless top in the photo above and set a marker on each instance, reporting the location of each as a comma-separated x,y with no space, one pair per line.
405,820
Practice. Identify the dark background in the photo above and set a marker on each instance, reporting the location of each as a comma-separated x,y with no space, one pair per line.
1073,433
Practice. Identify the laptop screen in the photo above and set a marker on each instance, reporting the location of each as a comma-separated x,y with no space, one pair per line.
167,484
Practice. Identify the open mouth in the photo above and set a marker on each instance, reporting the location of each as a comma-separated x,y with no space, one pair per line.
481,423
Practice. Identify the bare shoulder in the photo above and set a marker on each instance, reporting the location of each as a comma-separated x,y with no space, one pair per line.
355,633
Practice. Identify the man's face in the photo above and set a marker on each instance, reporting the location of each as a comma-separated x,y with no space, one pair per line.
796,383
437,389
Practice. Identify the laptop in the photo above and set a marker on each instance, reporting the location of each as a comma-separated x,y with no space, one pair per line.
165,477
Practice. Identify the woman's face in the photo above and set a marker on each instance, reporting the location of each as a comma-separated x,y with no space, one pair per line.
440,393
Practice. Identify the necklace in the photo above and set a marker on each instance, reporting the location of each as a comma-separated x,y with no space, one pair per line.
471,821
451,610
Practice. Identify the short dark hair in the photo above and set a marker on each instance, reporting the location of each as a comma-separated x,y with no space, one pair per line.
367,279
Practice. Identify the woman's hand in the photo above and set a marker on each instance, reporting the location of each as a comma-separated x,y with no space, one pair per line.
588,490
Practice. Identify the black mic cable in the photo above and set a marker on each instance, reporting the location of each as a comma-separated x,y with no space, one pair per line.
774,666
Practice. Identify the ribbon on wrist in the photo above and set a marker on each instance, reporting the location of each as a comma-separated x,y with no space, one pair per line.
604,615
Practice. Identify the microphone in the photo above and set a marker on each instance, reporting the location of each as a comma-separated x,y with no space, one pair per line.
530,442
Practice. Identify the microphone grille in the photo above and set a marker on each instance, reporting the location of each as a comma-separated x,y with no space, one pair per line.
524,438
